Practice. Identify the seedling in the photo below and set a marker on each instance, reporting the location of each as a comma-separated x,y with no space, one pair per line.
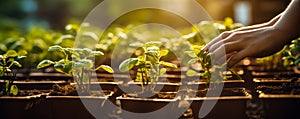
7,62
148,64
291,54
77,63
204,59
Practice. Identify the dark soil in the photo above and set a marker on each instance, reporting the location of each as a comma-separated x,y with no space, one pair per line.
71,90
26,92
279,90
292,87
159,95
225,92
106,80
276,75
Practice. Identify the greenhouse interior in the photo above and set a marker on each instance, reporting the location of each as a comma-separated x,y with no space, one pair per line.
149,59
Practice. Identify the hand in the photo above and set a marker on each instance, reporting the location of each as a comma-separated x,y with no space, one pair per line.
246,43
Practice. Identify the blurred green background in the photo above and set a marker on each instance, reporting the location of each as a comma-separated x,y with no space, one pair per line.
55,14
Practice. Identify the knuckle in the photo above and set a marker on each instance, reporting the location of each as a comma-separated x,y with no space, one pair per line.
225,34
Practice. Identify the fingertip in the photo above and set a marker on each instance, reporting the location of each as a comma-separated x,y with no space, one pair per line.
205,48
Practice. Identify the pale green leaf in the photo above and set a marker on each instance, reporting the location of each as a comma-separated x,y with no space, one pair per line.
162,71
128,64
167,64
98,53
55,48
106,68
88,64
59,68
45,63
163,52
191,73
192,61
16,63
191,54
11,53
14,90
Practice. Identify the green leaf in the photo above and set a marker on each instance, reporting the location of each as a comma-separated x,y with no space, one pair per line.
192,61
78,65
14,90
162,71
106,68
191,54
152,56
295,50
88,64
205,75
45,63
1,71
16,63
59,68
64,37
139,77
98,53
55,48
91,35
297,61
68,67
11,53
87,52
6,86
163,52
69,51
21,57
3,47
286,63
16,45
128,64
167,64
71,27
22,52
191,73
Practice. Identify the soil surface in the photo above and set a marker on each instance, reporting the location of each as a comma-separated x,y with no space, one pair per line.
159,95
280,90
26,92
225,92
71,90
292,87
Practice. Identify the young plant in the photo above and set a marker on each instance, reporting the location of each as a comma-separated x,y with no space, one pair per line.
204,59
77,63
291,54
7,62
148,64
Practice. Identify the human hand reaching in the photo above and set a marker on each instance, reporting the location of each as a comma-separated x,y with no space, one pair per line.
258,40
246,43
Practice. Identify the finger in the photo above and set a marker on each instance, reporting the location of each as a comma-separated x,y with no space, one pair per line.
225,49
236,58
223,59
228,55
231,38
217,39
